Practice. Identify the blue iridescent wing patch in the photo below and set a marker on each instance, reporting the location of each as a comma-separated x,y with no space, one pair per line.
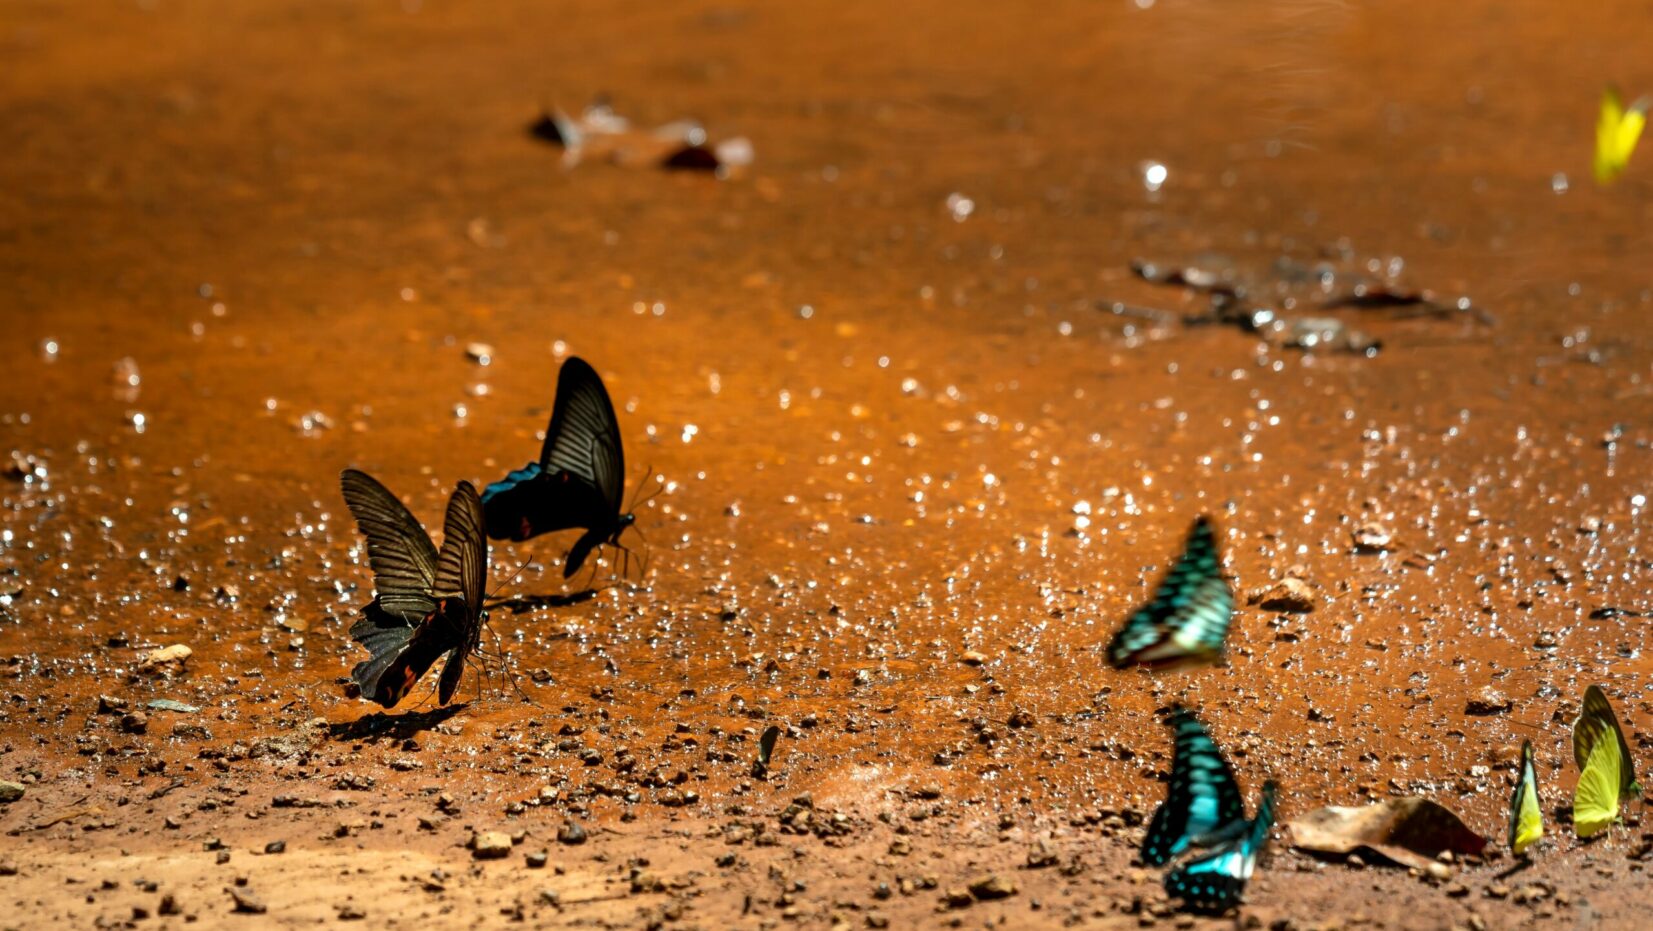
1215,880
1202,799
1187,620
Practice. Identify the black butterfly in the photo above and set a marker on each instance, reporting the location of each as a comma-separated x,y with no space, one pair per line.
766,749
1203,797
426,603
1187,620
1214,880
579,479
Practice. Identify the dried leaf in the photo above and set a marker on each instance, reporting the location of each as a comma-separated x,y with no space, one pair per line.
1407,831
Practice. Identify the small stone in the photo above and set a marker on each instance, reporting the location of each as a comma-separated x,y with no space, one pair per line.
1488,701
246,903
957,898
877,920
1372,537
276,846
349,912
1290,594
169,905
537,859
166,661
8,868
1499,891
1439,872
645,882
490,845
992,886
480,353
972,658
135,723
1457,890
1041,855
10,792
550,897
109,704
571,833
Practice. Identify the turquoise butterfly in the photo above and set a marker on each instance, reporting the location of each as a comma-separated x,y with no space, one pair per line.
1213,881
1203,797
1187,620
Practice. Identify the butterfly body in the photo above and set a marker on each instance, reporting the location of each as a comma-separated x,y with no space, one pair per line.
579,479
1187,620
1202,799
427,602
1526,815
1215,880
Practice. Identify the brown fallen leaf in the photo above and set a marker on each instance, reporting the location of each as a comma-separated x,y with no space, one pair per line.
69,814
1407,831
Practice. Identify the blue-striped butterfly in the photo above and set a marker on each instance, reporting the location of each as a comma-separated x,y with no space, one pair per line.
1202,799
579,479
1187,620
1214,880
426,603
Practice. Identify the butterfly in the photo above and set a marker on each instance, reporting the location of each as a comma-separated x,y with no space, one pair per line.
1202,799
426,602
1526,818
1188,618
1606,770
578,480
766,749
1214,880
1617,131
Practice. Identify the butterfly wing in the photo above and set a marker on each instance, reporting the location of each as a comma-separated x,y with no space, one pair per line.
583,438
398,549
1595,724
1526,817
1596,798
766,750
530,501
1188,618
582,548
461,578
1215,880
1202,797
399,653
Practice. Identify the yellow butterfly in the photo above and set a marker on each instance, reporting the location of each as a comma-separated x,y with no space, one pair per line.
1616,133
1606,770
1526,818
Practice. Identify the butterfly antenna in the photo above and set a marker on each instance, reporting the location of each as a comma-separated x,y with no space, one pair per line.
497,601
637,493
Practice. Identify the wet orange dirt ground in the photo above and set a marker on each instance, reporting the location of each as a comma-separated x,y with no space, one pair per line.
895,418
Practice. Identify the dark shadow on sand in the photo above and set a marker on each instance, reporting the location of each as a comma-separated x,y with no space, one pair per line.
380,726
